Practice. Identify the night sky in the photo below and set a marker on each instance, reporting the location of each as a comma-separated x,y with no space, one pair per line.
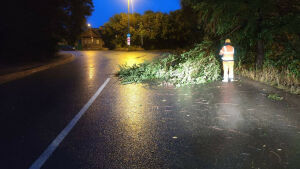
104,9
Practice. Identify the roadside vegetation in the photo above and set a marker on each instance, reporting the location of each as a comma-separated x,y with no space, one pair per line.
265,35
284,79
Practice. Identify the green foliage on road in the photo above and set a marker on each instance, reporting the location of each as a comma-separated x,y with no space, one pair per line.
196,66
275,97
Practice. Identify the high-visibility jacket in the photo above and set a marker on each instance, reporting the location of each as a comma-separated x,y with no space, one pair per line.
227,52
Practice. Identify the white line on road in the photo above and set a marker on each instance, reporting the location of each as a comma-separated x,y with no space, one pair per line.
55,143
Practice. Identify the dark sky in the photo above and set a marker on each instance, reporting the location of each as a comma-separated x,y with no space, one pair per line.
104,9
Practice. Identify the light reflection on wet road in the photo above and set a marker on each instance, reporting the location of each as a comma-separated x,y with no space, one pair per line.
219,126
91,61
207,126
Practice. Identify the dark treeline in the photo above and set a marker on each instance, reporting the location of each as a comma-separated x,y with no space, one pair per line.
32,29
265,35
153,30
263,31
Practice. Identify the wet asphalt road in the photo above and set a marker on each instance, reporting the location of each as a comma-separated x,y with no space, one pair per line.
213,126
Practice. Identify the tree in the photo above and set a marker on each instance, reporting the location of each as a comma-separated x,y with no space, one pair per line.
254,25
183,30
115,31
32,29
153,30
76,23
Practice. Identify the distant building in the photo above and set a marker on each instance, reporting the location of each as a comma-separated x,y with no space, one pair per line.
91,39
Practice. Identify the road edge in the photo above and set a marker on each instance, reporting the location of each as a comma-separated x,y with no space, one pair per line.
21,74
269,89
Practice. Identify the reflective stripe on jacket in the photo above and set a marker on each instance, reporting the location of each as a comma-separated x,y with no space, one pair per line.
227,52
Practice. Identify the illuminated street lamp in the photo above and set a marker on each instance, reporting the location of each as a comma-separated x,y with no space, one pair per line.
128,35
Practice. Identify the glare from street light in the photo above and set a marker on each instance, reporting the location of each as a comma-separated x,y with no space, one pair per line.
132,6
89,25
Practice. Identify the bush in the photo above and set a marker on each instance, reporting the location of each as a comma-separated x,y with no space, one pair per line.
196,66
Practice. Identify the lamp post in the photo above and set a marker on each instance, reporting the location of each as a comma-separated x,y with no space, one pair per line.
128,35
90,27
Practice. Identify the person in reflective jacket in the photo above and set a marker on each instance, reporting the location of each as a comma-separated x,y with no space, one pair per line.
227,53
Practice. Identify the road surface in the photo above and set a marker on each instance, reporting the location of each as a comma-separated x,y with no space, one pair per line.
217,125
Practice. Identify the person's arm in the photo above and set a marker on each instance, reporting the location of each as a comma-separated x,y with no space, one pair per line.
233,53
221,52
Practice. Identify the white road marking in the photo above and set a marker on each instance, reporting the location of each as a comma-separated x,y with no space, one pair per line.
55,143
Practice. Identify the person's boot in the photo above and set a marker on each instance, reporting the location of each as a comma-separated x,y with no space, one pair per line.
232,79
225,80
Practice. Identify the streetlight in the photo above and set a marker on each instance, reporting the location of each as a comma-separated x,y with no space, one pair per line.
89,25
132,6
128,35
129,1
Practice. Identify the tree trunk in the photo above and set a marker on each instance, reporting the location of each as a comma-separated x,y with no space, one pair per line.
260,44
142,40
260,54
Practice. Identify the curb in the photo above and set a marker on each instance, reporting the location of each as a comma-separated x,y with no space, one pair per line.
17,75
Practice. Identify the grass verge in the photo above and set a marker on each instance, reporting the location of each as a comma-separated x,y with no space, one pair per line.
269,75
